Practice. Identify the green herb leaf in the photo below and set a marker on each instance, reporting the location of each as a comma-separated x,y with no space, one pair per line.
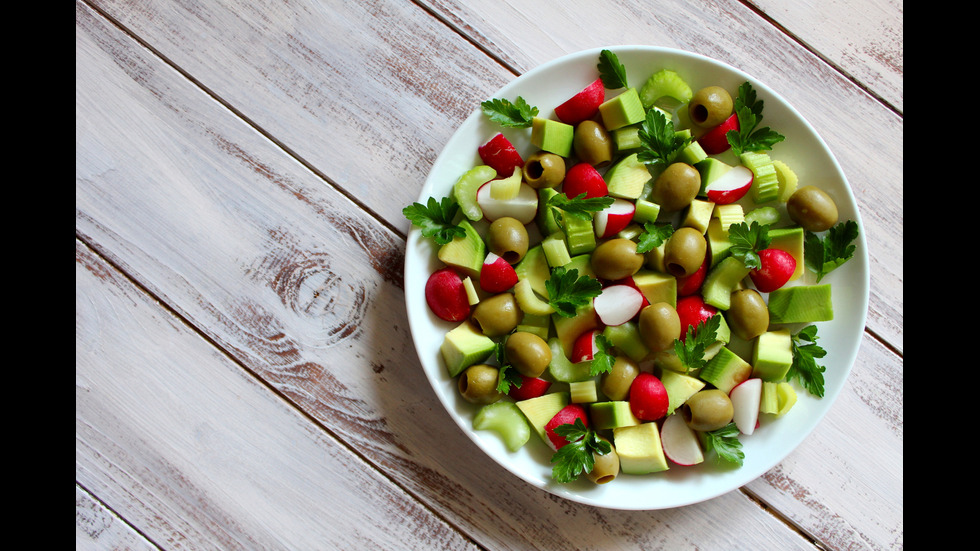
436,219
578,456
603,359
824,255
581,206
567,291
725,443
806,351
507,375
749,112
611,71
691,350
512,115
747,240
658,142
653,236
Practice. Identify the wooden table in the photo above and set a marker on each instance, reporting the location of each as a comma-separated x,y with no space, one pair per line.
245,375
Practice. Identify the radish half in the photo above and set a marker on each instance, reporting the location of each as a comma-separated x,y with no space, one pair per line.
614,218
617,304
730,186
746,398
680,442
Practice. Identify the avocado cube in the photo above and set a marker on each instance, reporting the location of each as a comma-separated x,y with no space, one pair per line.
772,355
465,253
612,414
622,110
719,244
801,304
639,448
656,286
552,136
464,346
542,409
698,214
726,370
679,387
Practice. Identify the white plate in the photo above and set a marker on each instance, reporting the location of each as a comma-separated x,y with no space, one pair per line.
548,86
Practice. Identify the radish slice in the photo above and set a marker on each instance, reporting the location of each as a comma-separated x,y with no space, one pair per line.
617,304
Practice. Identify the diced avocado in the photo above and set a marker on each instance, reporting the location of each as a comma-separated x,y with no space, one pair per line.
697,215
506,419
722,280
626,338
534,268
726,370
552,136
639,448
627,177
529,302
765,183
622,110
663,84
562,369
556,250
801,304
710,169
772,355
626,138
667,360
547,223
579,235
464,346
583,392
656,286
724,332
538,411
718,243
537,324
788,181
464,190
582,263
612,414
680,387
654,258
465,253
646,211
790,240
568,329
692,154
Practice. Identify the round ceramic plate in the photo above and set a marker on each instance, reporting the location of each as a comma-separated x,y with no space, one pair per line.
803,150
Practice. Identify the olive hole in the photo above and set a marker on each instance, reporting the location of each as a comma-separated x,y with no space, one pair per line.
511,256
699,113
534,170
676,270
604,479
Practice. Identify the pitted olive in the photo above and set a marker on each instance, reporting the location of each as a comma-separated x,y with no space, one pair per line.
708,410
676,186
592,144
659,326
684,252
616,259
478,384
544,170
615,384
812,209
606,467
507,238
497,315
710,106
528,353
748,314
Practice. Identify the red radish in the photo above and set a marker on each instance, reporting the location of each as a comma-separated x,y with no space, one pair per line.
614,218
583,105
777,267
648,397
680,442
446,295
746,398
715,141
567,415
524,207
632,283
730,186
501,155
690,284
617,304
497,275
584,346
531,387
692,310
584,178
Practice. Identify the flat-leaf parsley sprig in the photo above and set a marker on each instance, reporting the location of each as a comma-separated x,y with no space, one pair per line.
578,456
806,351
581,206
516,114
748,137
567,291
435,219
691,350
725,443
659,143
825,254
611,71
747,240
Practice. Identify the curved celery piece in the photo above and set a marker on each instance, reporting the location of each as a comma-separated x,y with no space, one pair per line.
506,419
562,369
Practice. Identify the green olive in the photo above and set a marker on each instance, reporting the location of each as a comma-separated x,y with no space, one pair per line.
497,315
478,384
812,209
659,326
528,353
685,251
676,186
710,106
707,410
748,314
592,144
544,170
616,259
606,467
615,384
507,238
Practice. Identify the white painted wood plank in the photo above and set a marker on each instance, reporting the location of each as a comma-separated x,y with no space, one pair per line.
99,528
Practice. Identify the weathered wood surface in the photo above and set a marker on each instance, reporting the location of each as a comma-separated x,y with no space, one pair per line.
245,376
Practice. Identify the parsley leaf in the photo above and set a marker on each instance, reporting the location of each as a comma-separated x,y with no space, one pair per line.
658,142
653,236
823,255
805,366
567,291
603,359
611,71
507,375
581,206
435,219
725,443
513,115
747,240
578,456
690,351
749,112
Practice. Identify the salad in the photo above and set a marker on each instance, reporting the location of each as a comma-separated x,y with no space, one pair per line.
642,286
